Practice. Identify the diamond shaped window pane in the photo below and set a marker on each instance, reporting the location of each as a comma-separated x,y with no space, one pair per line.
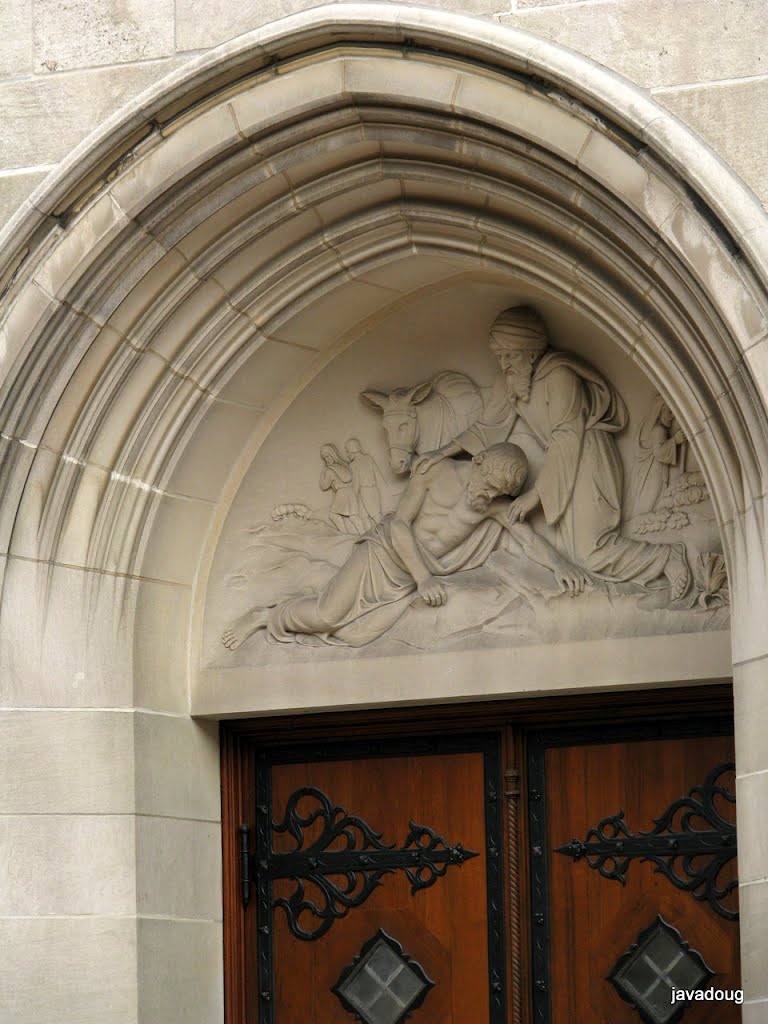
658,962
383,985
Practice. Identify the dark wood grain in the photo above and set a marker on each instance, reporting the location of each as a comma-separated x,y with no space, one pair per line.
584,785
593,919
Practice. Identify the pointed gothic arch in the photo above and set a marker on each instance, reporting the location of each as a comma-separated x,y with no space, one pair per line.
163,264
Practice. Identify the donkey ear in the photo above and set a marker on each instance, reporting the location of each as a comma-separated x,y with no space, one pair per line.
419,393
377,399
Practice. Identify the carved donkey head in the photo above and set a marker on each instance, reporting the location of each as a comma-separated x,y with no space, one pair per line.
400,421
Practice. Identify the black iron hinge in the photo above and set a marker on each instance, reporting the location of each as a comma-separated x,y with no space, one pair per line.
247,858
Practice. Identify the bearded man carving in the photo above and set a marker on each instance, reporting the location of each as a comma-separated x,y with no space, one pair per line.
574,414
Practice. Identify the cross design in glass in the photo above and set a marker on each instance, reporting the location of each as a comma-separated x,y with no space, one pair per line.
656,964
383,985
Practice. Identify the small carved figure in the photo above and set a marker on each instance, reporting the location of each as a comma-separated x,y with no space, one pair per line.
336,477
573,413
661,454
449,519
367,482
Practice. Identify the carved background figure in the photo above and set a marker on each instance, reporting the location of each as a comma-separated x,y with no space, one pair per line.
337,477
295,551
367,482
662,448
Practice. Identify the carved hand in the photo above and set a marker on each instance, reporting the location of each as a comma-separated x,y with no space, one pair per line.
522,506
427,460
569,579
433,591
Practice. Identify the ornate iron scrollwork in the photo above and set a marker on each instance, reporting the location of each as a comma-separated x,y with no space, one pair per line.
691,858
346,861
337,847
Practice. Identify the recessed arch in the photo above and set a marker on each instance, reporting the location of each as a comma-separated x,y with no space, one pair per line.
221,207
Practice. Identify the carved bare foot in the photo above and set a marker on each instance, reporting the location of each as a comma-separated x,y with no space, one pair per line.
678,573
244,627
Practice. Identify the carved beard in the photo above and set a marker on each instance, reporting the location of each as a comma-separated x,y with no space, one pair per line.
479,502
519,384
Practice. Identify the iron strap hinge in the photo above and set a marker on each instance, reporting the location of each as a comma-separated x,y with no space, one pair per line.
247,864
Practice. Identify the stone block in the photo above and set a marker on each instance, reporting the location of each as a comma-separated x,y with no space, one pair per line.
180,972
753,905
161,636
755,1012
93,368
403,80
490,99
335,311
42,118
74,970
29,312
136,379
178,533
56,865
72,34
93,230
269,370
750,694
291,93
726,117
196,303
225,20
14,189
186,145
66,762
213,449
178,868
47,654
751,802
659,43
16,46
177,767
139,311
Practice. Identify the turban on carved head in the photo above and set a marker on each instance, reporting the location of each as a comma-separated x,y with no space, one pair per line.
519,327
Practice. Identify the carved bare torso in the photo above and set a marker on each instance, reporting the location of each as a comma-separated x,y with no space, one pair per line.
445,518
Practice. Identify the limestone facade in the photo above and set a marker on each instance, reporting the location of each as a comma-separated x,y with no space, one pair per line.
194,298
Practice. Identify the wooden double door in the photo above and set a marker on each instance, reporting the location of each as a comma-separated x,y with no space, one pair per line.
504,874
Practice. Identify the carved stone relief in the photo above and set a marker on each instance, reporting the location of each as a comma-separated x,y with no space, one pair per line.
501,516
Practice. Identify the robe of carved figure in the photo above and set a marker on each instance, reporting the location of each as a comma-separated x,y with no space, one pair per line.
449,519
574,413
374,587
337,477
367,482
661,456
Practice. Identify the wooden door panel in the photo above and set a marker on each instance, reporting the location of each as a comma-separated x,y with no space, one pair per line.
443,925
593,919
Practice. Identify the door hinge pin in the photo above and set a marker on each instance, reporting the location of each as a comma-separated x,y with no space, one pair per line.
245,864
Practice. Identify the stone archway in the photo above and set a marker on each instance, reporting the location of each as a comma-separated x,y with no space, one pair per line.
318,169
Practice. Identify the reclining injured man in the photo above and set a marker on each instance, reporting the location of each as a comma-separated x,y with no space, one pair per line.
448,520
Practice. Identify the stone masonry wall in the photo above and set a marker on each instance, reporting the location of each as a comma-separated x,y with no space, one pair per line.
66,65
